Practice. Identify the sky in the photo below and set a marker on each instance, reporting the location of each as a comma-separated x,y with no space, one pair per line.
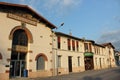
97,20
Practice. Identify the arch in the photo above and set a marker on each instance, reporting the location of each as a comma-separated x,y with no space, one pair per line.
30,37
43,55
0,56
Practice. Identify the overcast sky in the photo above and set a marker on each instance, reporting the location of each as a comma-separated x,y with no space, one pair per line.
97,20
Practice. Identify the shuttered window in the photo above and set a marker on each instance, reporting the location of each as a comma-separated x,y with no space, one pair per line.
77,45
73,45
59,42
69,44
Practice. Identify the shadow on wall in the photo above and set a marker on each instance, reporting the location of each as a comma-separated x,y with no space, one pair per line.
90,78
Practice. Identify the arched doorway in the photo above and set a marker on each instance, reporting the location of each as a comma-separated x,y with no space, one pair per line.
18,53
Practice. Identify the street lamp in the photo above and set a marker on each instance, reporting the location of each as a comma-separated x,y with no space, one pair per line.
55,55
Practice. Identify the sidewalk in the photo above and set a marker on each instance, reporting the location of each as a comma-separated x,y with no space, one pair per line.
86,75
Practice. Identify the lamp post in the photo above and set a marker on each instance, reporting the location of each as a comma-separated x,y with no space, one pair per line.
54,50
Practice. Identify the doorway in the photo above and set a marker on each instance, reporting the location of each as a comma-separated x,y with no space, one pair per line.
89,63
70,63
17,69
18,53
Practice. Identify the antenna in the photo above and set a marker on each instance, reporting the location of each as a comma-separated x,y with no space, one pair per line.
70,33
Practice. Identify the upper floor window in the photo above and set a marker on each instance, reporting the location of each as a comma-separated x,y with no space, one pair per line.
69,44
88,47
95,50
109,52
20,38
59,42
73,45
98,50
77,45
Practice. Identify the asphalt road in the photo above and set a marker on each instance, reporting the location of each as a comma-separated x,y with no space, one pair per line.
104,74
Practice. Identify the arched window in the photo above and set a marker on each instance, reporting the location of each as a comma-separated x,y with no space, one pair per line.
20,38
40,63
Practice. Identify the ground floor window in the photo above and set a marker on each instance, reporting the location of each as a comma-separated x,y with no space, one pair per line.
59,61
40,63
0,56
78,61
96,61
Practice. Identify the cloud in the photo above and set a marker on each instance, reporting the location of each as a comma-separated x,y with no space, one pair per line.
53,7
111,36
117,18
71,2
61,3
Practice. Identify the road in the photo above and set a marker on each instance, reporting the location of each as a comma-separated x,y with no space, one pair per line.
104,74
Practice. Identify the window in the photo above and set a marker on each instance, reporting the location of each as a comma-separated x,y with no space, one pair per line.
77,45
96,61
103,61
90,47
40,63
78,61
59,61
95,50
98,50
100,63
109,52
0,56
86,47
73,45
59,42
20,38
69,45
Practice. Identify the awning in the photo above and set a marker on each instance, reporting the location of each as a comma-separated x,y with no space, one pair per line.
88,54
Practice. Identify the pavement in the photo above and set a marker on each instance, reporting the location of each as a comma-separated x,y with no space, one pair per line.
104,74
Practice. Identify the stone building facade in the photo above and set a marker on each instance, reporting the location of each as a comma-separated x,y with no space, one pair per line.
73,54
26,42
29,44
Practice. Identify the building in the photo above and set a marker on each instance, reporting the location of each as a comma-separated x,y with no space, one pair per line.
26,42
30,47
68,51
109,53
73,54
117,58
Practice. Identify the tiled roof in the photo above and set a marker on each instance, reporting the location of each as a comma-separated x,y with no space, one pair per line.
107,44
